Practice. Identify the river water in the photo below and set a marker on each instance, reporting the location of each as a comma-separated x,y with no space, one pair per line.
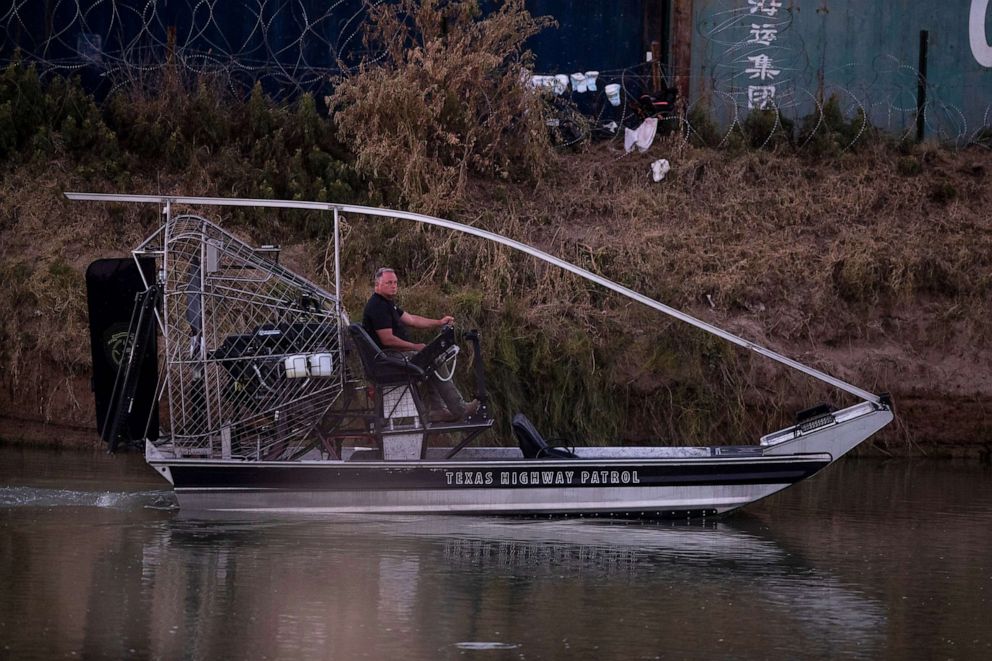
870,560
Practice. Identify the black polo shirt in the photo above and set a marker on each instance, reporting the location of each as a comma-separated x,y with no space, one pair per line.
382,313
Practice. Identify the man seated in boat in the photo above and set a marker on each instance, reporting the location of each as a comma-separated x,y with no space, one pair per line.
386,323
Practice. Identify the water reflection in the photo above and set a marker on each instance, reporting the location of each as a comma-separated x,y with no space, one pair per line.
829,571
412,586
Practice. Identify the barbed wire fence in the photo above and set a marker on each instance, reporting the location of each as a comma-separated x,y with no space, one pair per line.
292,47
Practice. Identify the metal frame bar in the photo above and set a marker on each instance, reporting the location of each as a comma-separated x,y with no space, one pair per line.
496,238
339,309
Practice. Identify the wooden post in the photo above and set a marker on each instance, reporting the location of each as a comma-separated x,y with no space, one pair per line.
655,37
655,67
682,46
170,43
921,87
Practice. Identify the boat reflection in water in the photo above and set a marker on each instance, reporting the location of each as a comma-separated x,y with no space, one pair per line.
413,585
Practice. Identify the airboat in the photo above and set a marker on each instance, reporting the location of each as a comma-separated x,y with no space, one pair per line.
251,391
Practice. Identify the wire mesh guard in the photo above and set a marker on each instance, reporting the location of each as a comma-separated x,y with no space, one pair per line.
399,408
252,350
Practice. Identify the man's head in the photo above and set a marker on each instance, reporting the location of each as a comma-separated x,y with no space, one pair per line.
386,283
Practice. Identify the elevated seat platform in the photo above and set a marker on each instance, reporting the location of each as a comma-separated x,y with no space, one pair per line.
400,421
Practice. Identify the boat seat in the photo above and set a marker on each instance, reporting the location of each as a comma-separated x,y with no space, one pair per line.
532,444
381,368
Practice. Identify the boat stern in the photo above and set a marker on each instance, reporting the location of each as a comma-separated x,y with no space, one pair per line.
157,460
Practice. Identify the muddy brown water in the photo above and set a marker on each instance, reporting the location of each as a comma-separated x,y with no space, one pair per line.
870,559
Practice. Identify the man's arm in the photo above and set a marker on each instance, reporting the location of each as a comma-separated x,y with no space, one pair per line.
390,341
423,322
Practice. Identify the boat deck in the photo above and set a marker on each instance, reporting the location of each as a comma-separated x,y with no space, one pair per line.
502,454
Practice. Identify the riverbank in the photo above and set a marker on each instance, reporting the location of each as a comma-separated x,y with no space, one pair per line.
863,266
868,258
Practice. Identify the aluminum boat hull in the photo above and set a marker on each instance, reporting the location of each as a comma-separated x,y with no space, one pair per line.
648,482
648,488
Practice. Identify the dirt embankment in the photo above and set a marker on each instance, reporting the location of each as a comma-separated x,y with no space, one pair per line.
875,267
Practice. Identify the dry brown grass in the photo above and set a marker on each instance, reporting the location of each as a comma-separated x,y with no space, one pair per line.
878,277
751,229
444,101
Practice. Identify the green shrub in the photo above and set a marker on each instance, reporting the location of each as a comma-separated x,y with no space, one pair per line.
702,131
983,137
909,166
21,108
943,192
250,147
826,133
40,119
767,129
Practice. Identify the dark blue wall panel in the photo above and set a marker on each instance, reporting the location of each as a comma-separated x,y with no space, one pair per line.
602,36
